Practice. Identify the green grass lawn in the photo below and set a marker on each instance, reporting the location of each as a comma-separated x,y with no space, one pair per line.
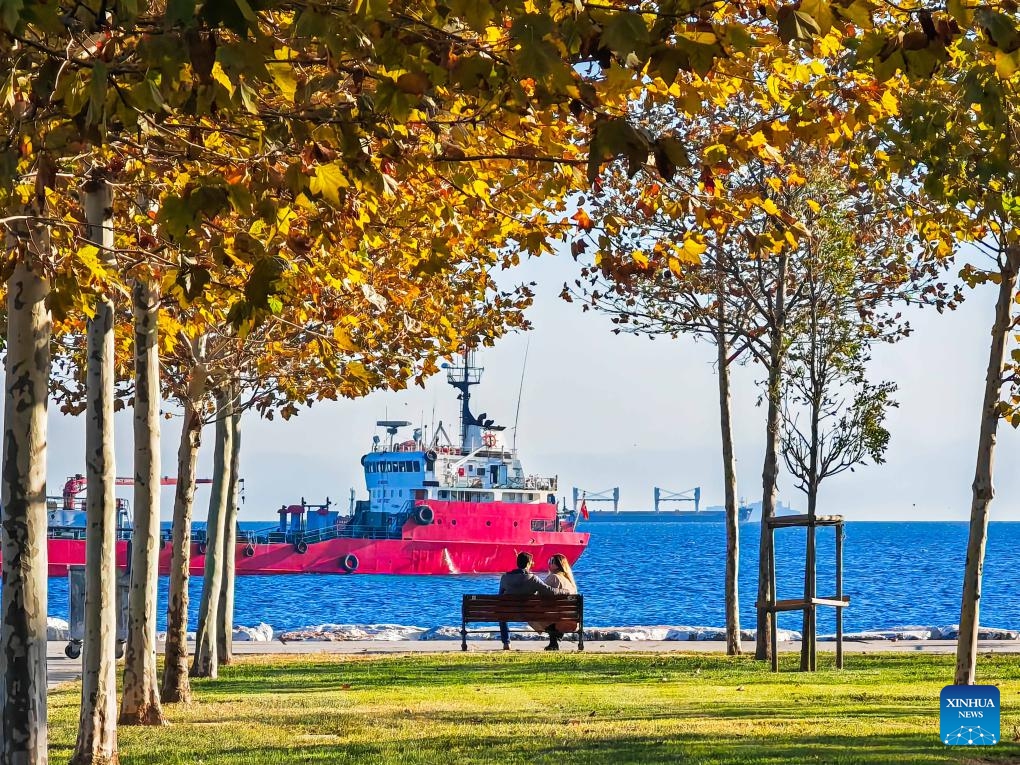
563,708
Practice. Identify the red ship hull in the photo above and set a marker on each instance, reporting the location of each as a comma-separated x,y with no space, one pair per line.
464,538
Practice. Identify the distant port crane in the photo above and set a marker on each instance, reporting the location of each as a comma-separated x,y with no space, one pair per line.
608,495
689,495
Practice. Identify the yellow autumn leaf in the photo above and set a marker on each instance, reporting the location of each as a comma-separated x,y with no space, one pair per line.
692,248
220,75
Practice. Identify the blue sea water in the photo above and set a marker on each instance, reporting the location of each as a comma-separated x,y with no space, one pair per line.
671,574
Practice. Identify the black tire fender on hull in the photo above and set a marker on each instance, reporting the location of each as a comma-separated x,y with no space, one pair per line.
424,515
349,563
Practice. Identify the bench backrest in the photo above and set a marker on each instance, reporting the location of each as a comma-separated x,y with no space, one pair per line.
522,608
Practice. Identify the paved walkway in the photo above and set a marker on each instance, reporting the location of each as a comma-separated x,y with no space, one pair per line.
62,670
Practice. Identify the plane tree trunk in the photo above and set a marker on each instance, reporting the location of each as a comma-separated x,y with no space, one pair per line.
176,687
225,631
206,662
97,728
23,731
140,702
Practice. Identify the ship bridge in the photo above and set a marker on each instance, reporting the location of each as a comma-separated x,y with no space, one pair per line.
478,469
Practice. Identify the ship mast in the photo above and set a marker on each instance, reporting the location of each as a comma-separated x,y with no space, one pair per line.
462,378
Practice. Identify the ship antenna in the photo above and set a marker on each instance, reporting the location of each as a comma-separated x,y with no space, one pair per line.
520,390
432,426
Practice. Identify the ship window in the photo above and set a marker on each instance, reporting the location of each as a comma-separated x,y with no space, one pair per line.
417,466
444,494
481,470
453,522
538,525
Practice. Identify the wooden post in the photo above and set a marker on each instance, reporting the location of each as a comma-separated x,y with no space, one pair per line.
774,621
839,595
812,636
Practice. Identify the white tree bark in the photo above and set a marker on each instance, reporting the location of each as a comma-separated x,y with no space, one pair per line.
206,662
176,687
23,731
983,488
97,729
140,702
225,630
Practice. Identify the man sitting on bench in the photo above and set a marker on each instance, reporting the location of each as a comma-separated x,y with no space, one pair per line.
521,581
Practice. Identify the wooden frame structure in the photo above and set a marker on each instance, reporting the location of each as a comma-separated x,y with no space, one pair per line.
810,604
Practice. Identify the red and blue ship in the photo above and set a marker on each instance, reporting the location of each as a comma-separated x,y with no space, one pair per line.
435,507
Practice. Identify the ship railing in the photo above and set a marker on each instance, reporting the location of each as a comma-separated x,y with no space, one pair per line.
538,483
78,533
404,446
358,531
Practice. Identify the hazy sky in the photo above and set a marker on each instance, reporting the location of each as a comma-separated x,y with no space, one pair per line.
602,410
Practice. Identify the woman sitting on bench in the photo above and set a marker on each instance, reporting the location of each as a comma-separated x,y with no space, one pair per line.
560,578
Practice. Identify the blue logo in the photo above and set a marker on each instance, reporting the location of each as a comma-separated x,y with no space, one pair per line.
970,715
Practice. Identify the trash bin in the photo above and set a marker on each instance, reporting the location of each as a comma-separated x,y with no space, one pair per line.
76,610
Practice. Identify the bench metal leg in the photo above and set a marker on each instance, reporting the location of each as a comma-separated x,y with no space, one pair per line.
580,634
463,636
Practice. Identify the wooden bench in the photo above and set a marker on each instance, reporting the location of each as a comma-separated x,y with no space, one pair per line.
547,609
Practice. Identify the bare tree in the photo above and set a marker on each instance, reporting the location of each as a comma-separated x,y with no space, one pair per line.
832,416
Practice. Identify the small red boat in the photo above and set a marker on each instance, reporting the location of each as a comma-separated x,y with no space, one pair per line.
434,507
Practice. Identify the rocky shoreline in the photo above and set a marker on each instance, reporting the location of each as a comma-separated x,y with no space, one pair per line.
57,630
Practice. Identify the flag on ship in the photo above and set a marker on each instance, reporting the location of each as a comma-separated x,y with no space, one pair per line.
584,509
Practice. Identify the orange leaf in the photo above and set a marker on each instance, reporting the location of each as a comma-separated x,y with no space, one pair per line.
583,221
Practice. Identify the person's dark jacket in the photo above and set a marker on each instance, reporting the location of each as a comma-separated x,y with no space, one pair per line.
521,582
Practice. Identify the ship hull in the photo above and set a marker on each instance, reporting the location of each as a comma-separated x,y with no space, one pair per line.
463,538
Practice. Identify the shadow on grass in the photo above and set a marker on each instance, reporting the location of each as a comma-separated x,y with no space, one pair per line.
675,708
304,675
567,749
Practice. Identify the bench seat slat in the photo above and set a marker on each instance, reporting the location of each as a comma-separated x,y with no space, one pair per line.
524,616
